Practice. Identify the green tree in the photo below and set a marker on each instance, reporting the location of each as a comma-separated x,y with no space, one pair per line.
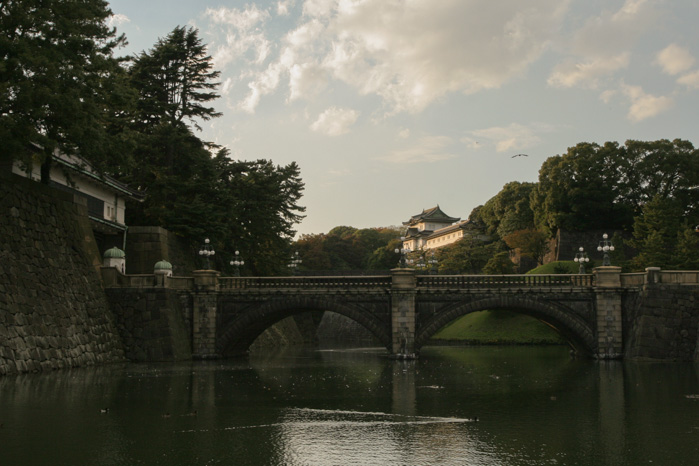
595,187
581,190
192,187
469,255
655,233
260,206
385,258
499,264
59,80
531,243
312,252
509,210
175,80
686,254
669,169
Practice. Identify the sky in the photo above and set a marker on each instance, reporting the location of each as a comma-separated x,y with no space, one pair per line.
390,107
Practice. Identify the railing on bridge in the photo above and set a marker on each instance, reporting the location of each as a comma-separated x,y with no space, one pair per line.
679,277
502,281
369,281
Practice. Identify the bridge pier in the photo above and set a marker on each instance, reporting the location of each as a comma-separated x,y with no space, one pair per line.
205,299
609,319
403,315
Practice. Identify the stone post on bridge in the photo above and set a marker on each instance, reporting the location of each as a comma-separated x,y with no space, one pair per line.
204,314
403,316
609,319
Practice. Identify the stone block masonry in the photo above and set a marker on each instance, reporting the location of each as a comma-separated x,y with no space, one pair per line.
152,323
53,311
665,324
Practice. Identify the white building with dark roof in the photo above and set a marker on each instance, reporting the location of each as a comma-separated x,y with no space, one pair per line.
434,229
105,197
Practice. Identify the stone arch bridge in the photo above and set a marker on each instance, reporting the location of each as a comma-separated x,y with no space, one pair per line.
224,315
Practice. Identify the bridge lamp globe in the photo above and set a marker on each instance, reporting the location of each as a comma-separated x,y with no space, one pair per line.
207,251
237,262
606,247
581,258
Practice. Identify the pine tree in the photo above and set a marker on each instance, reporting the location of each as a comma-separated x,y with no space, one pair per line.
59,80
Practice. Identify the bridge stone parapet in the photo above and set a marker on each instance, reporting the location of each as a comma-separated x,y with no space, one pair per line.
601,315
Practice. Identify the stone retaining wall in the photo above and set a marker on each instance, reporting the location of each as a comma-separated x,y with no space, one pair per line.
664,324
152,323
53,311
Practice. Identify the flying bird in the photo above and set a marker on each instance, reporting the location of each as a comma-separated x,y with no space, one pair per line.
520,155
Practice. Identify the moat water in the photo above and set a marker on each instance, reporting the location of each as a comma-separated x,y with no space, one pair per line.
454,406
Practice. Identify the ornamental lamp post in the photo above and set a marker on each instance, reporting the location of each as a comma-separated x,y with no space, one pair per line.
581,258
206,251
294,263
237,262
402,251
605,246
432,261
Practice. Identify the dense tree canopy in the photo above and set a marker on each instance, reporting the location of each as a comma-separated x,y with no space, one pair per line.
194,188
531,243
509,210
581,191
349,249
596,187
468,256
175,80
60,85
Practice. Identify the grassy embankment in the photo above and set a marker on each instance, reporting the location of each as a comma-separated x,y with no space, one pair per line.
505,327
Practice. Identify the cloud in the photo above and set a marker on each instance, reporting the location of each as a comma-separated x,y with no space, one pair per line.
306,80
117,20
409,54
674,59
511,138
264,84
471,143
571,74
413,53
226,86
602,45
644,105
690,80
427,149
284,6
241,35
335,121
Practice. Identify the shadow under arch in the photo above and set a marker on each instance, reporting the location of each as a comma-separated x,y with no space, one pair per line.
240,333
570,326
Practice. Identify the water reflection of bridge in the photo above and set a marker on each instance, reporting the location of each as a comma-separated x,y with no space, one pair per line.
403,310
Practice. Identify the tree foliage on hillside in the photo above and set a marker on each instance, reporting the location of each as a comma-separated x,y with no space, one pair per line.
509,210
349,249
531,243
468,256
663,237
595,187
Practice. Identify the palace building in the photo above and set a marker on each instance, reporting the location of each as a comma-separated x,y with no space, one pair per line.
433,229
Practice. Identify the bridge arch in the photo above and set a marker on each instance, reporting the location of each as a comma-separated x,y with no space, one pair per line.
241,332
562,319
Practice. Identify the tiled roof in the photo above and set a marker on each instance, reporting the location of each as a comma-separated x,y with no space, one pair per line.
450,229
434,214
